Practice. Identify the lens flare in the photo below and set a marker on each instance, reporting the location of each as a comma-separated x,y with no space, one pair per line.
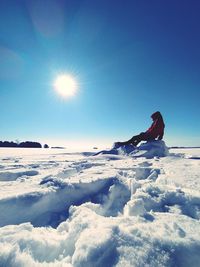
65,85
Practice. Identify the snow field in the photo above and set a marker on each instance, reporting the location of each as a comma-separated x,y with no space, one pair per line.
66,209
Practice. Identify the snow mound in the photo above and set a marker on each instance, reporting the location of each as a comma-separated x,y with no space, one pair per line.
152,149
148,150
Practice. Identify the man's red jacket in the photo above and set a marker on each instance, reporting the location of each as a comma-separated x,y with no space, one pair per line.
157,128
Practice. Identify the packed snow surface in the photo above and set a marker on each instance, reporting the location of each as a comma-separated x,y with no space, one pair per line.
122,207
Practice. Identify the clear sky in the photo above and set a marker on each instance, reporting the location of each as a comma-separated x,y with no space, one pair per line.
130,59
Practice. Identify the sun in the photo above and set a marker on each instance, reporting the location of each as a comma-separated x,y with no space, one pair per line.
65,85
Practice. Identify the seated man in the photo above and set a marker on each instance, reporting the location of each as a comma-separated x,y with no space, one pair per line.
156,131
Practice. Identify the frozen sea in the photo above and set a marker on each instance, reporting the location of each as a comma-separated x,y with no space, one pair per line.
61,208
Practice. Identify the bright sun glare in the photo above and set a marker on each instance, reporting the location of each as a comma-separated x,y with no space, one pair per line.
65,85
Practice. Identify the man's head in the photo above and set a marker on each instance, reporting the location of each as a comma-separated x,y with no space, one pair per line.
156,115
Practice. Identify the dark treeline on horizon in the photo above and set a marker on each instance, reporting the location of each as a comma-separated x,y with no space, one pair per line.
28,144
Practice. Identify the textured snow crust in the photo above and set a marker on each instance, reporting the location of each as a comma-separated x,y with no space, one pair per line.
115,209
148,150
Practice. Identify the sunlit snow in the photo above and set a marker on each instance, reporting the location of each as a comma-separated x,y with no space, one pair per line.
122,207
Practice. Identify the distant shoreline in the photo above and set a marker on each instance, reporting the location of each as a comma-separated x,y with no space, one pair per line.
26,144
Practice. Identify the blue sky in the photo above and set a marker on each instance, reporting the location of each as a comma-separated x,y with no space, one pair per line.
130,58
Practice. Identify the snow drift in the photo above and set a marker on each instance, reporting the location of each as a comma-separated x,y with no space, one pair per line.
123,209
148,150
